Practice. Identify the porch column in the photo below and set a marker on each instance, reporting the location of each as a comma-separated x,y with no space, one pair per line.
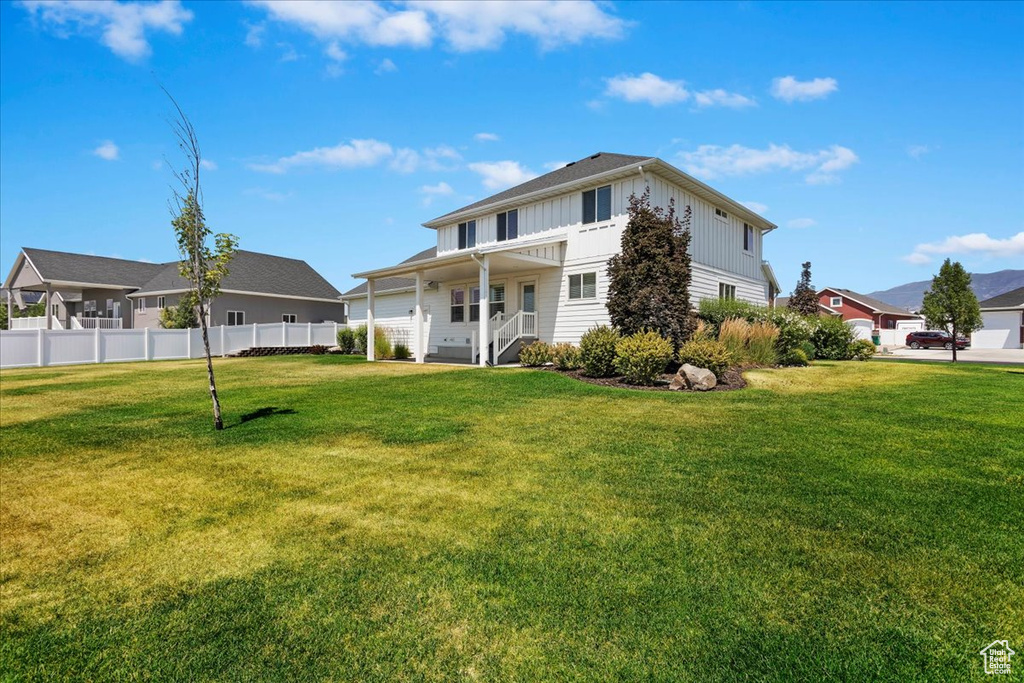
49,306
485,318
418,326
369,320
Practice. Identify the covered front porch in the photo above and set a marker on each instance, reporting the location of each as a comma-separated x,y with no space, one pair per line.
480,304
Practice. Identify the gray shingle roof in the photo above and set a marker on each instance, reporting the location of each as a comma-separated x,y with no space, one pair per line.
1011,299
879,306
577,170
99,270
390,283
250,271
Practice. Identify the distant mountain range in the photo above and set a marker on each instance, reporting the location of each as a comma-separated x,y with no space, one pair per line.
985,286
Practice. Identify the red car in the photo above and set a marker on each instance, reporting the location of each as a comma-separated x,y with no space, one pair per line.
932,339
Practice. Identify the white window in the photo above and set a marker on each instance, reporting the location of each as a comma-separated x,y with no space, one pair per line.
160,302
597,204
835,302
583,286
289,318
726,291
497,300
236,317
508,225
467,235
458,305
721,215
142,304
90,309
110,308
474,304
55,310
748,237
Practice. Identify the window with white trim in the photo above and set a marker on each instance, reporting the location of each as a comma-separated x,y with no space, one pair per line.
721,215
748,237
467,235
474,304
583,286
508,225
458,305
142,304
161,302
89,308
236,317
55,310
110,308
835,301
289,318
597,204
496,302
726,291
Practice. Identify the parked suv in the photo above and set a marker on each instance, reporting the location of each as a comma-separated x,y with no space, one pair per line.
931,339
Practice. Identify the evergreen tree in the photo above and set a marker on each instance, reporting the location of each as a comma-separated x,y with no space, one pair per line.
804,299
649,280
950,304
180,317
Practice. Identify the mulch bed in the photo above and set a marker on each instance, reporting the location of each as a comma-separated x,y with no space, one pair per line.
730,380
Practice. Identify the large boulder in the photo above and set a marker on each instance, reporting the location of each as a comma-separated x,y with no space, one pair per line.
678,383
696,378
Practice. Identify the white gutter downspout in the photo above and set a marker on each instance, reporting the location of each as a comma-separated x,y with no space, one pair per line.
643,177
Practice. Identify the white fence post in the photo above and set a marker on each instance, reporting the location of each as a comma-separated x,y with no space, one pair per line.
188,342
39,345
284,333
254,335
96,344
309,334
223,348
145,341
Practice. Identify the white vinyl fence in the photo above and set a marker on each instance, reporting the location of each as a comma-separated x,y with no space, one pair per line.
38,347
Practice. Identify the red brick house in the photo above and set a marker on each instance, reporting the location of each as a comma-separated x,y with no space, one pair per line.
861,310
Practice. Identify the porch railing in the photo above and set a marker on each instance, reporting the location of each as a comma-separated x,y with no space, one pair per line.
519,325
93,323
32,322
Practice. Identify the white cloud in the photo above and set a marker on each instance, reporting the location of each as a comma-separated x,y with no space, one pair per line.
440,158
713,161
406,160
756,207
354,154
486,137
122,26
800,223
973,243
789,89
646,88
254,34
269,195
918,151
334,52
721,98
288,53
555,165
440,190
386,66
498,175
357,22
208,165
108,151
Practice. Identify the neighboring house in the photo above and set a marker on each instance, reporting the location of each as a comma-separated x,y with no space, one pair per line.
85,291
531,262
869,316
823,311
1003,320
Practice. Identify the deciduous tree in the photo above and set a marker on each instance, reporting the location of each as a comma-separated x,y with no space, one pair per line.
950,304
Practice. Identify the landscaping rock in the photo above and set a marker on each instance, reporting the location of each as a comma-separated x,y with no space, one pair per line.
696,378
335,350
678,383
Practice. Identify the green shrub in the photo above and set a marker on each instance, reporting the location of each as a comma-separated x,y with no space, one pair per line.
809,351
347,340
733,333
702,331
793,357
381,343
642,357
597,351
360,340
565,357
832,338
536,354
794,328
862,349
761,339
716,311
709,354
401,352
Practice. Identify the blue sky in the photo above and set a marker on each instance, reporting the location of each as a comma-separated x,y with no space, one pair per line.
879,137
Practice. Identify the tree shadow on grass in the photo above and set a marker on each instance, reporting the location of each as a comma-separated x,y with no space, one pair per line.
264,412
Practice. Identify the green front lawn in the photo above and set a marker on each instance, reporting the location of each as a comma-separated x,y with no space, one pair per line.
848,521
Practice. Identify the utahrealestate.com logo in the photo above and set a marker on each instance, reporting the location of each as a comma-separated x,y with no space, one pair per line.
997,657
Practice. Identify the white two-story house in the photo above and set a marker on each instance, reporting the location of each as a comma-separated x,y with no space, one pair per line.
532,262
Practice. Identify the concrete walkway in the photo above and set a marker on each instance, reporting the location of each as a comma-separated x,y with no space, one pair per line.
1000,356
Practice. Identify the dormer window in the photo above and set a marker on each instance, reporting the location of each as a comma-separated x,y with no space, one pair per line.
467,235
508,225
597,204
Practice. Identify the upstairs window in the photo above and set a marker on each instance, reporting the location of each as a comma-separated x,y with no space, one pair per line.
467,235
508,225
458,309
583,286
726,291
721,215
748,237
597,204
835,302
